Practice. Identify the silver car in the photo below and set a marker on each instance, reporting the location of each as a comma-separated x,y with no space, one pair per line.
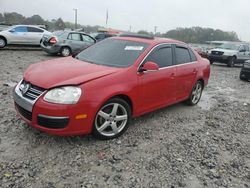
22,34
66,42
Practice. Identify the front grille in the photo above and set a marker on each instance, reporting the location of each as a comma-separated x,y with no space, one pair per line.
217,53
25,113
33,91
53,123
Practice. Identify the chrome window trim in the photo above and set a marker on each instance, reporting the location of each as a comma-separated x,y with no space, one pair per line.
181,45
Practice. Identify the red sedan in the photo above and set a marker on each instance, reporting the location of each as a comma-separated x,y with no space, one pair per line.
107,84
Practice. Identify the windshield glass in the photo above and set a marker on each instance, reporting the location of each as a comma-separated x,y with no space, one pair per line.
113,52
230,46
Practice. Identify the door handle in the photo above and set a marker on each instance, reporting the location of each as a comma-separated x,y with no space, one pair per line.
172,76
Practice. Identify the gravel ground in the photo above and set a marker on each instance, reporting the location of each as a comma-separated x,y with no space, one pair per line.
180,146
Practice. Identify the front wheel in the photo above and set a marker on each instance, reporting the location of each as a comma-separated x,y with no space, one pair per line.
2,43
195,95
231,62
112,119
242,77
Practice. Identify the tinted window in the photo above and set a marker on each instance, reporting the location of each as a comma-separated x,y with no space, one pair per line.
33,29
182,55
193,57
100,37
247,48
74,36
113,52
163,57
21,29
86,38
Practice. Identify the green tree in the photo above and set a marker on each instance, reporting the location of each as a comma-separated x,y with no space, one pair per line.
35,20
59,24
1,18
14,18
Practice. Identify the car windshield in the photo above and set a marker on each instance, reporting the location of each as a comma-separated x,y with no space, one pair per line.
113,52
230,46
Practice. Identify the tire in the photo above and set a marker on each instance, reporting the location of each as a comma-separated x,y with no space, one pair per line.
211,62
242,77
112,119
231,62
196,93
65,51
2,42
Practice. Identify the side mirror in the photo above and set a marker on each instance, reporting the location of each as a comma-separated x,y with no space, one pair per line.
12,30
149,66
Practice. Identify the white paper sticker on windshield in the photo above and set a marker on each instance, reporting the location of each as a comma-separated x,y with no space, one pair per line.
137,48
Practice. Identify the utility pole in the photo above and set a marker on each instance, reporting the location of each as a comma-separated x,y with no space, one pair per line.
75,17
155,29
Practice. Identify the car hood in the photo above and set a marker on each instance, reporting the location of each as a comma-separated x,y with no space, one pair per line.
65,71
224,50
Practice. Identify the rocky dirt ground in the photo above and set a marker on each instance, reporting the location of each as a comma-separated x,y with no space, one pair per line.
180,146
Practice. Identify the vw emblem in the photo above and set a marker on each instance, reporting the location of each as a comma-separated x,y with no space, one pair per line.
24,88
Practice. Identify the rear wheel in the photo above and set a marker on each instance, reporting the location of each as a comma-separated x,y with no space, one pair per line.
231,62
2,42
65,51
112,120
195,95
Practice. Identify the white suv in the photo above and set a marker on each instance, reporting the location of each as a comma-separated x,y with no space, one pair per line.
230,53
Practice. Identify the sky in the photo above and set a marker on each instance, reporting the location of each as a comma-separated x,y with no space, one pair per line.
228,15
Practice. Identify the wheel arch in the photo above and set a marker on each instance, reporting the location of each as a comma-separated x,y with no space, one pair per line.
3,37
125,98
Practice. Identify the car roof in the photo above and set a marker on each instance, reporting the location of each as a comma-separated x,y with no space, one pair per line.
28,26
151,41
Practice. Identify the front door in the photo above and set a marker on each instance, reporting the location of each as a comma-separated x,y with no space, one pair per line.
157,88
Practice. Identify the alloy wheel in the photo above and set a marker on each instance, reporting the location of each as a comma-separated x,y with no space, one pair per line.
196,93
111,119
2,43
65,52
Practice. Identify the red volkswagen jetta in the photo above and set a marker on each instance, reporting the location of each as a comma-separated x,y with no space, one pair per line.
107,84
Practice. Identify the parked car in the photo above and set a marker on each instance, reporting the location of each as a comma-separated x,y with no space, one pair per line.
230,53
202,51
102,36
66,42
245,71
107,84
22,35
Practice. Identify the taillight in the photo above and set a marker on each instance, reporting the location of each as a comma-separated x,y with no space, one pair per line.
53,40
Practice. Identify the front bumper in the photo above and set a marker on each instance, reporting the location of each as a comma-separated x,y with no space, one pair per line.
245,73
219,58
55,119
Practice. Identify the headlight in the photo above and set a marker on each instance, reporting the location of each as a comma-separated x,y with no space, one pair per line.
63,95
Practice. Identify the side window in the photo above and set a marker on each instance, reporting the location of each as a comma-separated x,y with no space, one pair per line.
36,30
193,57
100,37
247,48
86,38
242,48
182,55
162,56
74,36
21,29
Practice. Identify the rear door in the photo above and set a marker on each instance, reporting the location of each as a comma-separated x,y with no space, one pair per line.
158,87
34,35
186,71
18,35
75,42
